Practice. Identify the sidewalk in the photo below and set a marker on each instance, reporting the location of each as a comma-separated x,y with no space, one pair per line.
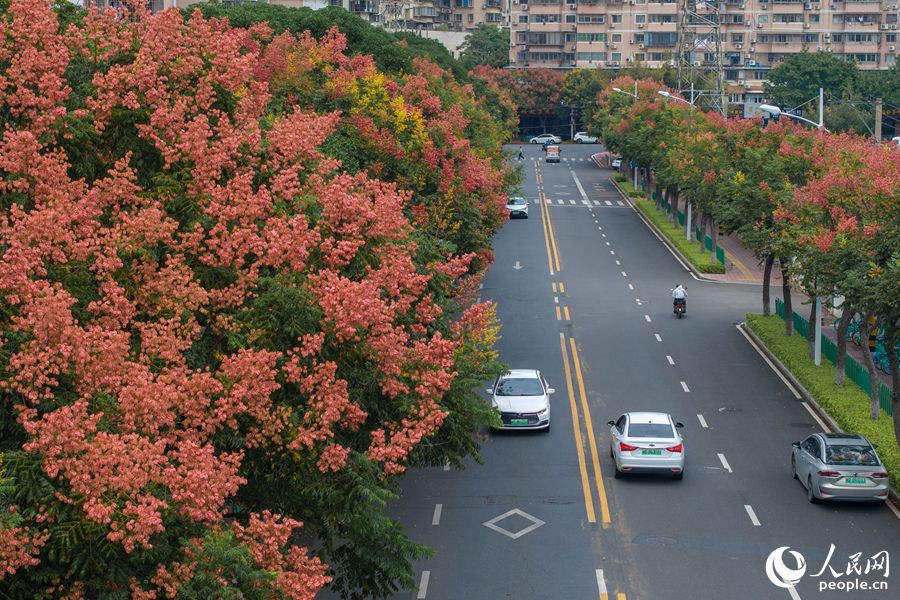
744,267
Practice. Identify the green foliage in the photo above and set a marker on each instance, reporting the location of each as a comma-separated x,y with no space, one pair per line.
225,570
486,45
799,77
849,116
846,403
675,234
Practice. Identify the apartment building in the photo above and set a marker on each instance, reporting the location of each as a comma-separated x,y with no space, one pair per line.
757,34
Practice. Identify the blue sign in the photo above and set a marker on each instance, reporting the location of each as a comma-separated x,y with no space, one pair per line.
633,164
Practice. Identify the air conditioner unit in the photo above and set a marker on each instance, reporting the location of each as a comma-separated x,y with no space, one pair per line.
759,25
752,50
807,6
751,63
738,46
614,46
627,59
574,64
806,26
631,41
698,63
614,63
747,85
827,34
884,26
640,25
892,48
830,49
641,46
893,27
612,25
742,7
895,6
524,7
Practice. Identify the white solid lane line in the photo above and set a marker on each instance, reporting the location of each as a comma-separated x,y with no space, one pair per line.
423,585
702,422
618,263
658,339
624,274
601,584
436,518
752,515
612,252
670,359
684,387
647,317
630,287
769,362
821,423
725,464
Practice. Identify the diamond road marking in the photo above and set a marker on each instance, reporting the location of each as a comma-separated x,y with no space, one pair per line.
492,524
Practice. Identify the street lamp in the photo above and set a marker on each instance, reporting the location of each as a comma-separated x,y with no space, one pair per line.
635,96
774,111
687,211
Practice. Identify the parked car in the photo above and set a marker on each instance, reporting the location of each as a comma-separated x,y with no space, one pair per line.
553,154
582,137
839,466
522,397
617,164
517,207
546,137
647,441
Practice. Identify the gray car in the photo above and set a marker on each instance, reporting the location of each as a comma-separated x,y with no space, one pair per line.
839,466
648,442
522,397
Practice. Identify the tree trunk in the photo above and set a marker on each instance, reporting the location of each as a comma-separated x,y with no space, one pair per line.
660,195
786,292
767,282
843,323
714,235
890,339
811,330
675,210
688,224
703,219
870,367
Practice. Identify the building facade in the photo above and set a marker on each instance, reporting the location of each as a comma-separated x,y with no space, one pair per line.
758,35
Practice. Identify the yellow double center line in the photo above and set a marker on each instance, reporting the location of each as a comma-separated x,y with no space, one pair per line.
575,366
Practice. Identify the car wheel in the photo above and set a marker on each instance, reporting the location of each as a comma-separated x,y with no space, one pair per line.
810,494
679,475
794,467
617,474
577,141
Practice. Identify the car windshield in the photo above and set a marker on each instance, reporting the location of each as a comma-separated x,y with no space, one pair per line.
650,430
520,387
851,455
516,201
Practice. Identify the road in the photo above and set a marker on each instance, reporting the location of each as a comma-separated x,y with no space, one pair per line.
590,308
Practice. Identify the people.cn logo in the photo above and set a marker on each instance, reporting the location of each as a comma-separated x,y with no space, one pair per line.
779,573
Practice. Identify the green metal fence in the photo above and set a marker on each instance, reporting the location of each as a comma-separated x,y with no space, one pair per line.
852,368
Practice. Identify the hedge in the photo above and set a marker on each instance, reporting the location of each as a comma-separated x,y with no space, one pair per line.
847,404
690,250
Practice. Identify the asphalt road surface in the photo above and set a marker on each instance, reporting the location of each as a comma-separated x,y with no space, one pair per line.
544,518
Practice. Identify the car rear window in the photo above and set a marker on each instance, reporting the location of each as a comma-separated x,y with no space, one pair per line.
856,456
650,430
520,387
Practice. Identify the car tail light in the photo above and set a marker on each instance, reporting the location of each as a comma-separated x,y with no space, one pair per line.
626,447
880,475
829,474
677,448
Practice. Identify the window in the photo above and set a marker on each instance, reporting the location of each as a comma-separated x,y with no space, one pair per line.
737,38
639,38
523,18
814,18
639,57
616,18
890,37
811,446
640,18
789,18
620,424
861,38
889,59
837,37
811,38
616,37
591,56
591,37
592,18
762,19
471,18
892,18
570,18
617,56
463,3
662,19
650,430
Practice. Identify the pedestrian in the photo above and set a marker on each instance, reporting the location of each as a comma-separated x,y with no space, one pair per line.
521,155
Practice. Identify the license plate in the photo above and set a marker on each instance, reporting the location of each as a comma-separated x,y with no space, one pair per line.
518,421
855,480
652,452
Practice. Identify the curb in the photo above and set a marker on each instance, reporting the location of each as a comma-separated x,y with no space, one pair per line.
663,237
807,397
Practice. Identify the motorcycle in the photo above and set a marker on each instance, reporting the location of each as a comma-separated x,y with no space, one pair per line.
679,307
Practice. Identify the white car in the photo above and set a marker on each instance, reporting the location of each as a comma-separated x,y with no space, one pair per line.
517,207
647,441
617,164
522,397
583,138
545,138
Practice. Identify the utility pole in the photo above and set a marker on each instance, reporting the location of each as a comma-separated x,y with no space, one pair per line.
699,53
878,107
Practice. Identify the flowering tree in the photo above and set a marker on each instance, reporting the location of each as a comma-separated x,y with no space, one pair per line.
215,334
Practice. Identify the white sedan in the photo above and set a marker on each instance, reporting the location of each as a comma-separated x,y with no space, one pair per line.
545,138
647,441
517,207
522,397
582,137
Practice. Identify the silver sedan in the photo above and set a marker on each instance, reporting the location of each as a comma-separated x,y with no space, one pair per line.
839,466
647,441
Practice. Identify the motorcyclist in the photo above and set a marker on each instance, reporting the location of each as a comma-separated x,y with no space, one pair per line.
679,296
